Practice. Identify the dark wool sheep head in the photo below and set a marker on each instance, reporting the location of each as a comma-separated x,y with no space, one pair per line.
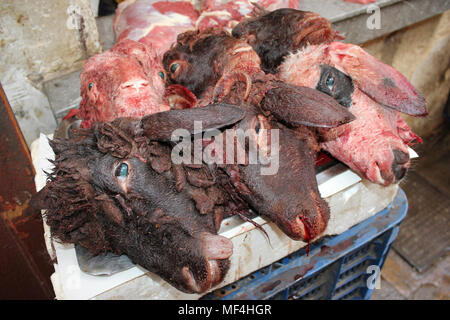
198,60
230,72
115,189
275,34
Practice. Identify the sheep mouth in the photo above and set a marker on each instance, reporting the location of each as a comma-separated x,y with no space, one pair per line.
212,275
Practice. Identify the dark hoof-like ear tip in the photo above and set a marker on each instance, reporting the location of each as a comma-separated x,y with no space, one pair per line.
348,118
38,200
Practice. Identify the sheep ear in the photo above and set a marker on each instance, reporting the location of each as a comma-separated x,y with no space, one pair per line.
302,106
379,81
160,126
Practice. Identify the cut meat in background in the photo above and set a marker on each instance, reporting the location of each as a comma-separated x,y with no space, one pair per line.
154,22
159,22
229,13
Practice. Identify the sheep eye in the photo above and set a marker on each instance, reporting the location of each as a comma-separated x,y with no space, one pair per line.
122,170
174,67
161,74
90,85
330,83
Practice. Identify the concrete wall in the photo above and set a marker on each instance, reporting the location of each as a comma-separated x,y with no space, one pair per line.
39,40
422,53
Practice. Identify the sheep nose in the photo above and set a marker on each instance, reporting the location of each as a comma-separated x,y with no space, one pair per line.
398,166
400,157
135,83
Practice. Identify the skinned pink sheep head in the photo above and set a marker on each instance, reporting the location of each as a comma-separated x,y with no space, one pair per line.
125,81
375,145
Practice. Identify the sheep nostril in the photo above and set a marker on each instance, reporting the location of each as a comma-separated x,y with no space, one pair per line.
398,166
136,84
191,282
399,171
400,157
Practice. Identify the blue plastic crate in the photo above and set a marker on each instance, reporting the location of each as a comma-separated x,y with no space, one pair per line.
335,267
